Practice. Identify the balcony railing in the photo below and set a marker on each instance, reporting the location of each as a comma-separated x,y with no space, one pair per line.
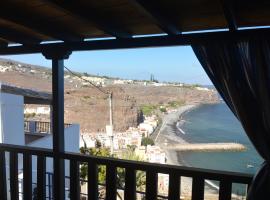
38,127
10,189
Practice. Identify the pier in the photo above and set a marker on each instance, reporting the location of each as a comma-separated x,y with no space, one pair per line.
207,147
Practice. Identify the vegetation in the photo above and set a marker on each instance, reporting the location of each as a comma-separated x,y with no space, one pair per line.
191,86
147,141
163,109
29,115
148,109
140,175
129,154
96,151
176,104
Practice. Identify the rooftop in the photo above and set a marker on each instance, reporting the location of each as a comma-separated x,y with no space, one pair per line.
30,96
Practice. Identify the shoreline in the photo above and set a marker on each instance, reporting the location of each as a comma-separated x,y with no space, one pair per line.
168,126
168,136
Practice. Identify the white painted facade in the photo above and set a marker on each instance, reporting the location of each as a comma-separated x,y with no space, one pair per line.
12,132
11,119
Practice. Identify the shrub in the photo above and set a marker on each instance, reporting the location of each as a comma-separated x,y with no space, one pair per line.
147,141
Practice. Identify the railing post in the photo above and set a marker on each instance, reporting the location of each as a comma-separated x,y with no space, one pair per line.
41,181
3,178
92,181
197,188
27,176
174,186
74,180
225,189
111,189
151,185
57,56
130,184
13,173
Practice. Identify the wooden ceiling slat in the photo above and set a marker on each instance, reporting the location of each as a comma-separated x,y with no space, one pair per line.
148,7
229,13
74,20
17,36
48,28
3,43
92,17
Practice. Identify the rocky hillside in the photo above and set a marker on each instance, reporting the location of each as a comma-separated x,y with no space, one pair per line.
89,107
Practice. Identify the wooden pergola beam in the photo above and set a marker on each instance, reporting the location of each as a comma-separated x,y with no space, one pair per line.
3,42
91,17
148,7
229,13
143,42
17,36
40,26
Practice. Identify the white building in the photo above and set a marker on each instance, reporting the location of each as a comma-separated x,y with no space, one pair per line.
155,154
44,110
146,128
12,100
87,140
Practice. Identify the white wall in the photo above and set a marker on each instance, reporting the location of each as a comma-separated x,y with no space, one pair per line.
72,137
72,140
12,119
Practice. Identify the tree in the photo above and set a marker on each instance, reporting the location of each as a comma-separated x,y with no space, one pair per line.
147,141
163,109
103,152
129,154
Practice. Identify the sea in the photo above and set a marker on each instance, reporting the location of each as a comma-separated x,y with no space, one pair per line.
216,123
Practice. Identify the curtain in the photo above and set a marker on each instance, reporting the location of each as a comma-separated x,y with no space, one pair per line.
240,71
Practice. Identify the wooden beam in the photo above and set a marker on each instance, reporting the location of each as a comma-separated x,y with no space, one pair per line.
229,13
143,42
17,36
149,8
90,16
3,42
40,26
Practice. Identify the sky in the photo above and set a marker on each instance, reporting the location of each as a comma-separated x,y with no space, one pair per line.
177,64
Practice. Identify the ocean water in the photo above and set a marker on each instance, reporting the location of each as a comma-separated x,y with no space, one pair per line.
216,123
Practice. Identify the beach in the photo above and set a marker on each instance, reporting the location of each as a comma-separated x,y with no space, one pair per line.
167,136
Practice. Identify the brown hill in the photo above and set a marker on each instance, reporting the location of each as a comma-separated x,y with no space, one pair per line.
89,107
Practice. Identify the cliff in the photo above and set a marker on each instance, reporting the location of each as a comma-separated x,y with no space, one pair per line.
88,107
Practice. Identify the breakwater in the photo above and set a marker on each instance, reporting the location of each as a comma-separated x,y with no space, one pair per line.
207,147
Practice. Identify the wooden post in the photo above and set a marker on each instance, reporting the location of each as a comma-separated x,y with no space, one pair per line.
57,56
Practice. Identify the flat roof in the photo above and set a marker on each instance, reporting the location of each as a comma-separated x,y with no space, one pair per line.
31,96
75,22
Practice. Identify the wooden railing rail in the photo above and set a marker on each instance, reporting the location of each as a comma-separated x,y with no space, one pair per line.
226,179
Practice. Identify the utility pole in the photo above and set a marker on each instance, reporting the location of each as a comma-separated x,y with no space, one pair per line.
111,120
109,128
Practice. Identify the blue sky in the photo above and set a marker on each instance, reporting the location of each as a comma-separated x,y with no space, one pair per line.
166,64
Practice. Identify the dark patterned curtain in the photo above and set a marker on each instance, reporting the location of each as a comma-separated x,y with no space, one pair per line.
240,70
